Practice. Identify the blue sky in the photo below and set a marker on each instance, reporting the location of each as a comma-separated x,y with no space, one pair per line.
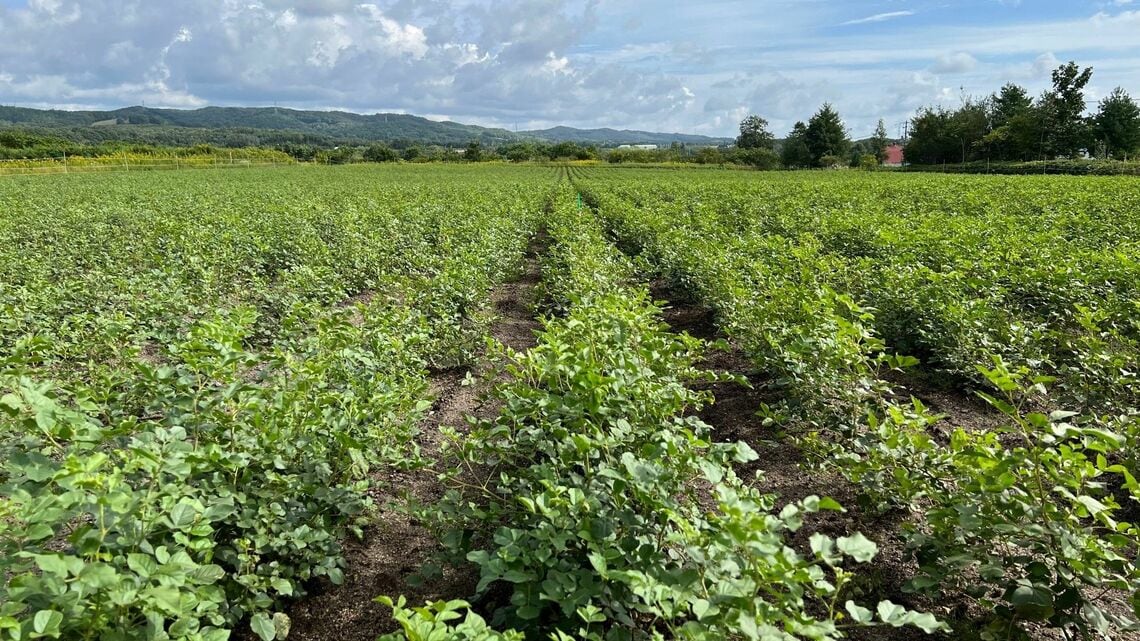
683,66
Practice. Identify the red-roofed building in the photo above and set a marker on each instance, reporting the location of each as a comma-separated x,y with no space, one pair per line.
894,156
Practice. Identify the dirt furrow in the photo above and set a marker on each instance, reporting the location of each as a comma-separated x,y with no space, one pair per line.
395,547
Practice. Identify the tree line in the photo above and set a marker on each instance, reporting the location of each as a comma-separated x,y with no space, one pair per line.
822,141
1009,125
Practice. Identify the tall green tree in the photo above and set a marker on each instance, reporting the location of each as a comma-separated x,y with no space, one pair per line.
473,152
380,153
1117,124
795,153
1015,125
969,125
754,134
1067,131
931,139
880,141
941,135
1009,102
826,135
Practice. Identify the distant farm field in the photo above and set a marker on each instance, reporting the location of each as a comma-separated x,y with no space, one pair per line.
568,402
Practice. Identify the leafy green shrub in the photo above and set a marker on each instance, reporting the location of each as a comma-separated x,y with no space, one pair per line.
225,502
437,622
1022,518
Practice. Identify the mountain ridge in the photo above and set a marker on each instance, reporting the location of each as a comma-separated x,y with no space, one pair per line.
242,125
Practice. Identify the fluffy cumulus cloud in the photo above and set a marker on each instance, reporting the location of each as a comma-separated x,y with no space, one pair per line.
650,64
481,60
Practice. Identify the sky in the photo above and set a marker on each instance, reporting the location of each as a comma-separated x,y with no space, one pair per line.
688,66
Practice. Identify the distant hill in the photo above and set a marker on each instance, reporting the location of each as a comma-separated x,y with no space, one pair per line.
609,137
239,126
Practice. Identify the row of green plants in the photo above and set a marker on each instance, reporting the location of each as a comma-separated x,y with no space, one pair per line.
1030,520
596,506
99,264
1033,519
144,159
1043,272
200,379
1076,167
817,343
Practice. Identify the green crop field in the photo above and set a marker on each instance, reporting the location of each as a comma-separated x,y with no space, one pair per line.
568,403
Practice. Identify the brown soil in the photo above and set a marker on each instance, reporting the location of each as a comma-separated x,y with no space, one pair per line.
395,547
960,408
357,302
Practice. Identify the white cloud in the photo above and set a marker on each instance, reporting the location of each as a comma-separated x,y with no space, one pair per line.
1044,64
954,63
396,37
556,64
636,64
879,17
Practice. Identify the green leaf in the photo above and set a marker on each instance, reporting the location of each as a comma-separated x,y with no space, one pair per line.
528,612
598,562
890,613
1096,616
828,503
589,614
183,514
57,564
262,626
215,634
700,608
517,576
39,532
924,621
282,624
167,598
143,565
748,626
858,613
823,546
46,623
858,547
1032,602
10,403
283,586
98,575
1094,506
219,511
183,627
207,574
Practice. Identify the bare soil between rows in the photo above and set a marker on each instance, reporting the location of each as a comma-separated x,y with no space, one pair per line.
395,547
